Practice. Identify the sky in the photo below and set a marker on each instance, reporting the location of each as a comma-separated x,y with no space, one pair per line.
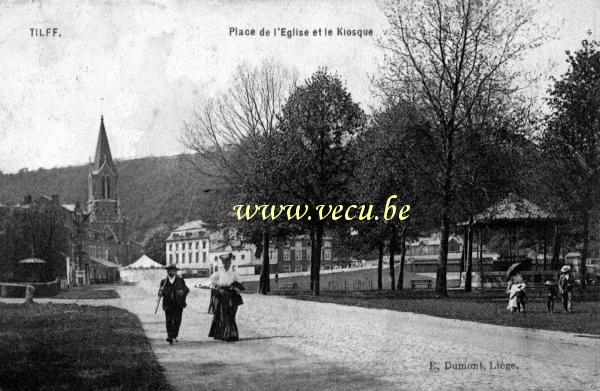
145,65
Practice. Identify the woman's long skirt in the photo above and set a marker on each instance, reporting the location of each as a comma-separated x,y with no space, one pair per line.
226,302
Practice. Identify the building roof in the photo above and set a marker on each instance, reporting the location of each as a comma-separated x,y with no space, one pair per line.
515,210
144,262
105,262
103,154
191,225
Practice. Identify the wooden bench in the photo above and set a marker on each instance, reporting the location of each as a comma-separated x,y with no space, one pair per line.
424,283
290,288
29,289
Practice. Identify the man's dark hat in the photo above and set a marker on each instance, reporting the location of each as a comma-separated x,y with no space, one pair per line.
172,267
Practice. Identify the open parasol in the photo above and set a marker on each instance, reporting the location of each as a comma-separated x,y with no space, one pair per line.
32,260
513,268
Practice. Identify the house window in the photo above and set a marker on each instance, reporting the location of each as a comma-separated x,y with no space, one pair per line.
92,251
216,258
197,257
203,257
298,243
286,255
170,258
308,254
328,255
298,255
233,257
286,269
197,245
243,256
298,269
183,246
233,267
177,258
170,246
327,244
203,244
286,243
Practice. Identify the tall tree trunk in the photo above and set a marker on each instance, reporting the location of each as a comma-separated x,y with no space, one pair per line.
392,254
469,271
440,281
317,265
313,257
556,249
584,252
402,257
381,247
264,283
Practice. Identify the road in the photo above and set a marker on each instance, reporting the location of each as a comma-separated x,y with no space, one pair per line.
296,345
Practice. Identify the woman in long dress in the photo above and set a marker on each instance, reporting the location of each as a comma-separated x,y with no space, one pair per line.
515,284
225,299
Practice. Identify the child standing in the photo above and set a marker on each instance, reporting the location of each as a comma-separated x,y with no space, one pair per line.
550,296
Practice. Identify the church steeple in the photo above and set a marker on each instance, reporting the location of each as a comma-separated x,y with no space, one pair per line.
103,176
103,149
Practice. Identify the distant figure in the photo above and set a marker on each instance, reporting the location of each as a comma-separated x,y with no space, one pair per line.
565,287
517,298
226,285
550,296
173,291
276,278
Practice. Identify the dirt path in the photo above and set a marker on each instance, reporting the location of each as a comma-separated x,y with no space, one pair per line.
295,345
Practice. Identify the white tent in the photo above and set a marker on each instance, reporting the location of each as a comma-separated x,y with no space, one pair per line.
145,262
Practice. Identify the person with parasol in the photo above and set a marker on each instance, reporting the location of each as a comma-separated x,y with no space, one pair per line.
515,289
226,298
565,288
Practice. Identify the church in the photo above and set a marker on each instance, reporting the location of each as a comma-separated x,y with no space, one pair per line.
107,244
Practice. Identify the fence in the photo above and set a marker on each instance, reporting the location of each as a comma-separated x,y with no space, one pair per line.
350,285
41,289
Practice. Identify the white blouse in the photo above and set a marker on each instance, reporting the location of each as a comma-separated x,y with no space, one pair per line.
223,277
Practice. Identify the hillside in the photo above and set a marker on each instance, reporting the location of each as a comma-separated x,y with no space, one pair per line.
153,191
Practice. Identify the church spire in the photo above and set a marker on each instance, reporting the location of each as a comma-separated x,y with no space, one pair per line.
103,149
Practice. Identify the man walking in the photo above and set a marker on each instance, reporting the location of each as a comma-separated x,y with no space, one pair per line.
173,292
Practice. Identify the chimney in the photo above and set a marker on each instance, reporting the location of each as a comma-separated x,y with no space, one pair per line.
27,199
55,199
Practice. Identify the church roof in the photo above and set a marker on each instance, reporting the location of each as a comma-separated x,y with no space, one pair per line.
102,149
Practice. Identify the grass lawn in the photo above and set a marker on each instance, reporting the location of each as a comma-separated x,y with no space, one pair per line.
347,279
67,346
475,307
88,292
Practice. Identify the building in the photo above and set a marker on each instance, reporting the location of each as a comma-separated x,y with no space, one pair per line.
107,245
422,255
293,255
188,247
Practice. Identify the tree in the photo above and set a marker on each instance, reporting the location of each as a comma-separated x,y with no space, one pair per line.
225,130
453,59
383,171
572,138
155,246
318,126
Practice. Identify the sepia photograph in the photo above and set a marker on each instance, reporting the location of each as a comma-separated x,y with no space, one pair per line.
300,195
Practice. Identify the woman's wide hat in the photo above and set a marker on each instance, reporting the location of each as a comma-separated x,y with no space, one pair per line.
226,257
172,267
565,269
